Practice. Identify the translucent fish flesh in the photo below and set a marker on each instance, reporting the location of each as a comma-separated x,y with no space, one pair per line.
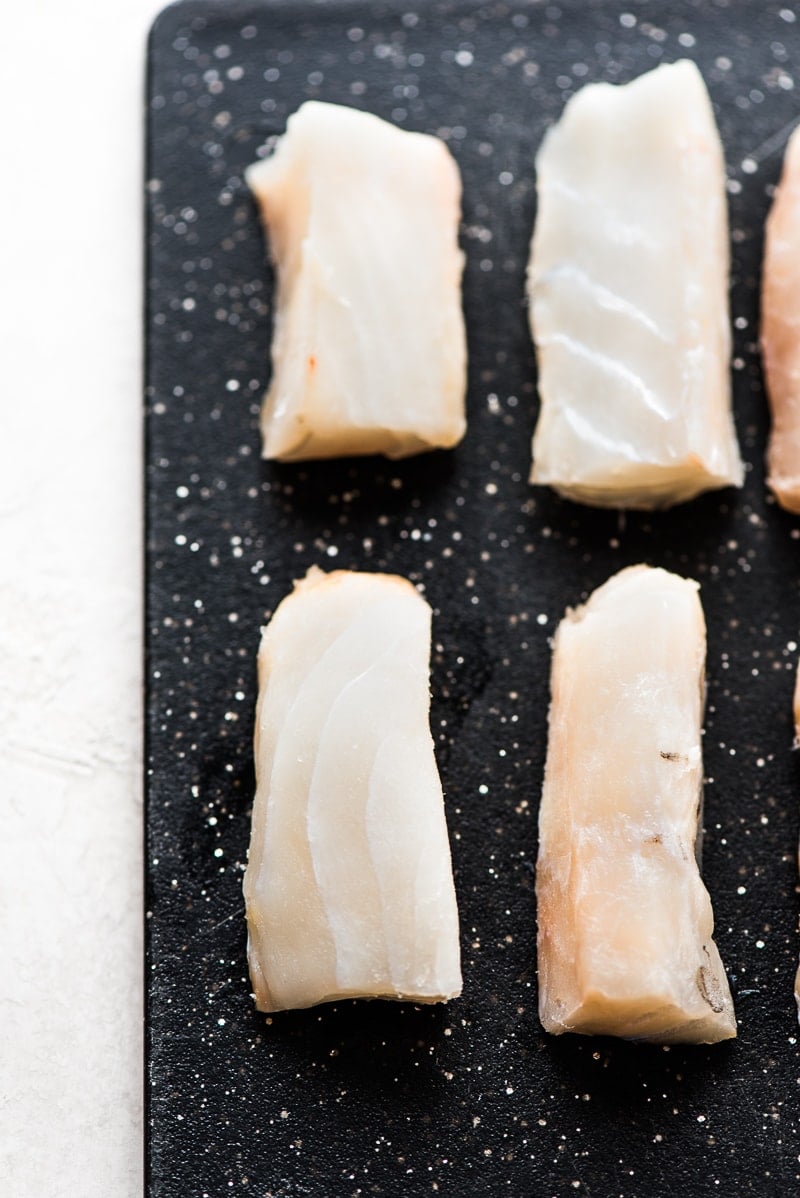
780,331
625,923
349,889
369,350
628,289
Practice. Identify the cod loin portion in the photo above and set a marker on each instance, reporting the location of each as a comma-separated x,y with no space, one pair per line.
625,923
628,287
780,331
369,347
348,888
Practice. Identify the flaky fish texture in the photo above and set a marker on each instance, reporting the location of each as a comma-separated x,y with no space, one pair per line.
780,331
625,923
628,290
348,888
369,348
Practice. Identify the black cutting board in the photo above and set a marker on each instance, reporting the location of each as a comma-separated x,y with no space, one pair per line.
472,1098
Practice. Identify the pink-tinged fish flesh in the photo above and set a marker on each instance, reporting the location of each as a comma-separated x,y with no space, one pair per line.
625,923
780,331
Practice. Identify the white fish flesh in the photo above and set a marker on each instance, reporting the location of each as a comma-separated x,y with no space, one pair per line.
369,350
628,289
780,331
349,889
625,923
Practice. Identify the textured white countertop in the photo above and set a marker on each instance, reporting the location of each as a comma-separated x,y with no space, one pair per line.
70,587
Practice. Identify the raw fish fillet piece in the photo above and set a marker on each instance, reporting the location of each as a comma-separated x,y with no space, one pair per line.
780,331
625,922
628,288
369,349
349,887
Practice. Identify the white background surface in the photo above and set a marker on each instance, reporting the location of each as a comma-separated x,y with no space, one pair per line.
72,88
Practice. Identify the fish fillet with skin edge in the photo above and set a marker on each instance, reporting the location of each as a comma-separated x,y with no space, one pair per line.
369,348
625,923
348,888
628,289
780,331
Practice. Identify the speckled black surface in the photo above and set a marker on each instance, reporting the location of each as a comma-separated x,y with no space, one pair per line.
472,1099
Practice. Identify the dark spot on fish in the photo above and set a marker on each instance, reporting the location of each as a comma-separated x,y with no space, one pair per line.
656,838
312,363
708,987
674,756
